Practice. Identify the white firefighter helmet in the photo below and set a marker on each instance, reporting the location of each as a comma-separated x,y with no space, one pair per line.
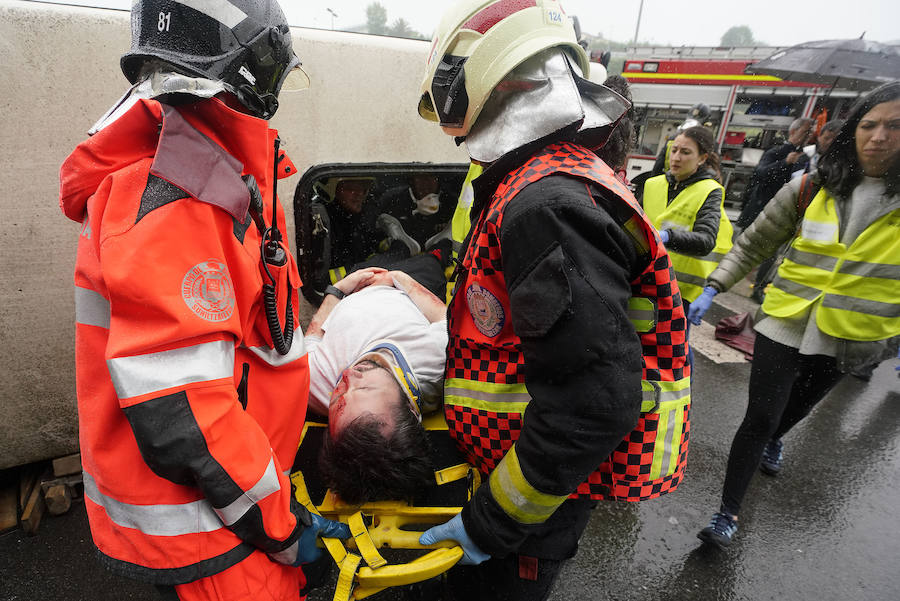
479,42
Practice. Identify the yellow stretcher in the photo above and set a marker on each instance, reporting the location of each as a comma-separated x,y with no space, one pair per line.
363,571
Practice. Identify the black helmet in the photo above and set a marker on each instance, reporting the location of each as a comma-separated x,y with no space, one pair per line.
246,44
700,112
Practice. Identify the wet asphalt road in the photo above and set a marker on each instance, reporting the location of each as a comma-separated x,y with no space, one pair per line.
824,529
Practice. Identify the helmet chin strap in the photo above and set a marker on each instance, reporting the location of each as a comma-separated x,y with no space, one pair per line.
260,105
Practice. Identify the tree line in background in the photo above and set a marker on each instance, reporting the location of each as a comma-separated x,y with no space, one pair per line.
377,24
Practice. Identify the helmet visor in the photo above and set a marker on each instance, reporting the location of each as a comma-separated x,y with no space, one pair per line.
447,102
426,108
295,78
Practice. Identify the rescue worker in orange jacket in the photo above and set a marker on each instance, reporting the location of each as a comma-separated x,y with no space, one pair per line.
544,389
186,305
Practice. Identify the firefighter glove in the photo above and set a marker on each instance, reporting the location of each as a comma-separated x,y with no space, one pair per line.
700,306
454,530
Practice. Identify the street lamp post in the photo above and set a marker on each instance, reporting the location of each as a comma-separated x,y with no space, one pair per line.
333,15
637,27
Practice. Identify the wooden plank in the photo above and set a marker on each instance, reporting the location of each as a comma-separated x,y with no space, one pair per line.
70,464
28,479
34,511
9,508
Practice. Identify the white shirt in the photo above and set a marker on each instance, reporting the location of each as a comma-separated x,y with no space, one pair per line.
371,315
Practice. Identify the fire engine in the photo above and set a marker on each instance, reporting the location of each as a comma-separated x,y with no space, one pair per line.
748,113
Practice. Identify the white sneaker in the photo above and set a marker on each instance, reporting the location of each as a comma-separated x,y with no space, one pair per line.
391,226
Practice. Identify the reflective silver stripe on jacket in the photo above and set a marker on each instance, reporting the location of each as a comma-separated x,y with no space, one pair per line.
688,278
665,396
672,440
143,374
155,520
267,485
809,259
287,556
91,309
792,287
871,270
859,305
489,397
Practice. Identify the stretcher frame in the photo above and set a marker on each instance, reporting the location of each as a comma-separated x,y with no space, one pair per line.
363,571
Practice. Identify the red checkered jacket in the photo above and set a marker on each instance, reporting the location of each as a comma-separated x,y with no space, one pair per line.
542,334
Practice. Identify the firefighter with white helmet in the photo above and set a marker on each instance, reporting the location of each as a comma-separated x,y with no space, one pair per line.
192,377
562,281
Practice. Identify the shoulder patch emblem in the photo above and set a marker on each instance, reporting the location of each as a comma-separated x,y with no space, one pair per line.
486,310
208,292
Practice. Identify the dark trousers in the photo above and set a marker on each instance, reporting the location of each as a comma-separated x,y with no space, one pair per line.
784,387
529,574
687,332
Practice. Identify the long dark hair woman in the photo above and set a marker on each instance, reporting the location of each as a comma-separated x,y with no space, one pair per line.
834,305
686,205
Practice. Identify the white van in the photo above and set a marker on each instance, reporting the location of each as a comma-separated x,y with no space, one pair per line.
61,73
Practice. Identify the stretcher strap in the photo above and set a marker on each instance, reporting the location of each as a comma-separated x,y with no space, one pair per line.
349,566
452,473
300,491
364,542
334,545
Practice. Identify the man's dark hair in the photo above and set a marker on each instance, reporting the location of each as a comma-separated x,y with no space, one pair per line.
615,152
839,170
362,464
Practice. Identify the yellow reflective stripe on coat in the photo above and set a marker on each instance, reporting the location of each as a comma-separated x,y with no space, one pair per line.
517,497
856,288
487,396
674,398
642,313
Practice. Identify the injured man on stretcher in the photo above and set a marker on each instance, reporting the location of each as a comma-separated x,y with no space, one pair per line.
377,348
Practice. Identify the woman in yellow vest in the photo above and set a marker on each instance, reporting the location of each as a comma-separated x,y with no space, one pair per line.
835,303
685,205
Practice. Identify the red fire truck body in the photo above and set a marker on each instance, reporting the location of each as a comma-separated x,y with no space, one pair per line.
748,113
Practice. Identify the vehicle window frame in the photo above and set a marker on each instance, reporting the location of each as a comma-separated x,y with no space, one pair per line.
303,195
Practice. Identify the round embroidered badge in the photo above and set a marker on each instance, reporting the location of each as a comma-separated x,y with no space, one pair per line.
486,310
207,290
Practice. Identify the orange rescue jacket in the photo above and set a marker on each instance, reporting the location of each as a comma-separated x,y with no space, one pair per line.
189,420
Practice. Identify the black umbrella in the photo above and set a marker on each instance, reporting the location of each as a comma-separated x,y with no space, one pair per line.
851,64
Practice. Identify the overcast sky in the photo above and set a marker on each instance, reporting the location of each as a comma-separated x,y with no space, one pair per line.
690,23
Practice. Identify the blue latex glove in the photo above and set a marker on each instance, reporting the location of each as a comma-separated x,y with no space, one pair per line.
701,305
308,551
454,530
898,358
664,236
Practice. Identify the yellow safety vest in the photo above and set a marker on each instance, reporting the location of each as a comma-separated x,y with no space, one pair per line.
691,272
462,220
668,154
856,288
461,223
